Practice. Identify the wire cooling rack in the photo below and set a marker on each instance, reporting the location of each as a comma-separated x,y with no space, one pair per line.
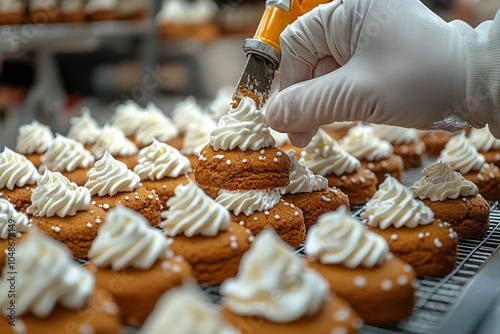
434,296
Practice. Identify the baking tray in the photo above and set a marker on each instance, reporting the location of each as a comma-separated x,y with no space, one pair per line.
434,296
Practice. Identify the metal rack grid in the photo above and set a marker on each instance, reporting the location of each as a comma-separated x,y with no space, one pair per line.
435,296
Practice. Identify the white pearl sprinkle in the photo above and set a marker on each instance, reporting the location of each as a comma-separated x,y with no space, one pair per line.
266,213
261,158
342,315
275,160
480,177
420,235
98,221
136,197
93,202
176,268
394,237
242,223
343,178
362,179
441,225
386,285
370,165
228,162
91,211
262,152
89,225
105,206
353,180
151,196
244,161
277,217
164,186
404,149
438,243
100,205
383,164
234,245
292,206
407,268
491,175
251,238
279,154
136,193
359,281
127,198
326,199
110,308
427,234
56,229
296,213
338,330
232,238
255,218
402,280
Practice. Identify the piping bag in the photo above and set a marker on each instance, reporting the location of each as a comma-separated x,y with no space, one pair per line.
263,50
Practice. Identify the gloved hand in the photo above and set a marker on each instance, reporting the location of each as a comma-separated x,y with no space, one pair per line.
392,62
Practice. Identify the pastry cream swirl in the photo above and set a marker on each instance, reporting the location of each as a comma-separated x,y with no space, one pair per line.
160,160
110,176
441,182
34,138
395,134
16,170
56,195
249,201
8,212
243,127
364,145
127,241
114,141
47,275
303,180
324,156
393,205
191,212
338,238
462,155
66,154
84,129
483,140
273,283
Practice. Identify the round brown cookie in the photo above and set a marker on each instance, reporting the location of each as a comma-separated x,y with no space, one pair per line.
79,176
430,249
35,158
285,218
492,157
242,170
103,15
380,295
100,315
130,161
214,259
11,18
487,180
335,316
77,16
359,186
20,197
435,141
316,203
141,200
136,291
468,216
393,166
77,232
164,188
413,154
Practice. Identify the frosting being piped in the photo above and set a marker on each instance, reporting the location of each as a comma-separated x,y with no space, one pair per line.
462,155
303,180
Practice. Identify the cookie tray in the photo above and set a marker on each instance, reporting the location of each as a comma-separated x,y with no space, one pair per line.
437,298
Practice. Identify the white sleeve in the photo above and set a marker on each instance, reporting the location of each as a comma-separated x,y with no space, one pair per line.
483,73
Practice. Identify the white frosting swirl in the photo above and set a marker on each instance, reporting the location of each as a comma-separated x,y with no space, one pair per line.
338,238
393,204
183,12
113,140
185,310
128,117
46,275
461,154
155,124
303,180
274,283
186,113
127,241
65,154
160,160
483,140
324,156
249,201
395,134
84,129
33,138
110,176
56,195
361,142
441,182
16,170
19,219
198,135
243,127
192,212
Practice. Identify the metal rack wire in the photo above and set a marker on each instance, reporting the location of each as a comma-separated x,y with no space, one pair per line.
435,296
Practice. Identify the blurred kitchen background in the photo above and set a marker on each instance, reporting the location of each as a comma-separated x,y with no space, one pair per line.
59,55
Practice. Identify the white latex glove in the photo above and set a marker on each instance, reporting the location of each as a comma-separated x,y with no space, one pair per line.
391,62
